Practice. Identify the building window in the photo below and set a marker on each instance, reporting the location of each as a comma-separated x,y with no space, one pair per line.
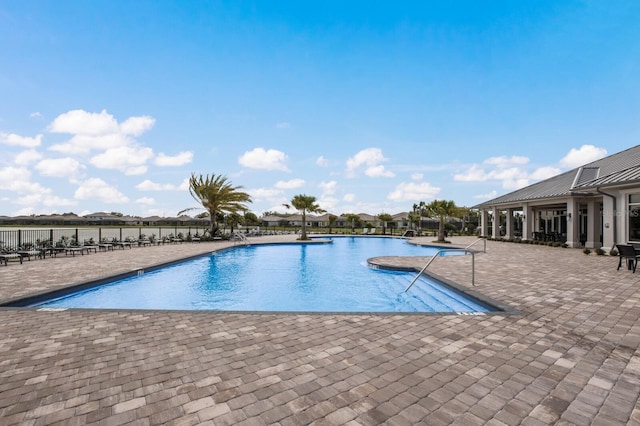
634,217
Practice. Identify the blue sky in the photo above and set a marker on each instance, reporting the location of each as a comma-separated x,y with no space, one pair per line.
369,106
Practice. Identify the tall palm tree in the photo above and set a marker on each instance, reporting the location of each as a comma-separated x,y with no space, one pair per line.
217,195
304,203
442,209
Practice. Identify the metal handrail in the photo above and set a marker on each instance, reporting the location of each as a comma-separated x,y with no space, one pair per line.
484,249
241,237
437,254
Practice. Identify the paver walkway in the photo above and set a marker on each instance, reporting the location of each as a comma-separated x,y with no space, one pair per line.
572,357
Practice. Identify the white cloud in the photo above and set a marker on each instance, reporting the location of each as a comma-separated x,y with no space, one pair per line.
322,162
290,184
283,125
146,201
512,178
59,167
97,189
46,200
179,159
417,176
264,193
581,156
504,161
81,144
349,197
328,188
130,160
489,196
543,173
378,171
147,185
97,131
18,179
328,203
510,171
473,174
35,115
136,126
17,140
27,157
370,158
262,159
84,123
413,191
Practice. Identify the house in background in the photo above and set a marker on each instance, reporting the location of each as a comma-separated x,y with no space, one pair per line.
596,205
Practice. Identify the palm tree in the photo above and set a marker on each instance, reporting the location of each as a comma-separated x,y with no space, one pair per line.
217,195
304,203
442,209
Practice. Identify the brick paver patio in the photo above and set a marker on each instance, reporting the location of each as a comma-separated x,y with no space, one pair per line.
571,357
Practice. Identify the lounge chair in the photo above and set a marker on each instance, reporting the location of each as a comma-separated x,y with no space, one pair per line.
628,253
5,257
29,252
72,250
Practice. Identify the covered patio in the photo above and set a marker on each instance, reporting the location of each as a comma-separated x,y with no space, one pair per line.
594,206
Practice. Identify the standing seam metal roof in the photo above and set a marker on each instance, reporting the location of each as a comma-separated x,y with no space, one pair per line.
618,168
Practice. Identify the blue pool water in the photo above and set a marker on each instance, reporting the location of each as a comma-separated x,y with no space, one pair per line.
301,278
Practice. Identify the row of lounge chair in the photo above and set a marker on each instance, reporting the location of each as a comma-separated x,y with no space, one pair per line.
48,249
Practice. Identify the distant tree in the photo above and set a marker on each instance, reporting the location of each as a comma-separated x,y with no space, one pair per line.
217,196
304,203
442,209
251,219
384,218
116,214
332,221
233,220
353,220
414,219
202,215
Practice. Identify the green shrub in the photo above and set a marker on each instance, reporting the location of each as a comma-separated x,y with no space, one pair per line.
600,252
586,250
613,252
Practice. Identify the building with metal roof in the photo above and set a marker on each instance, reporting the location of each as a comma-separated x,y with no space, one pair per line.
595,205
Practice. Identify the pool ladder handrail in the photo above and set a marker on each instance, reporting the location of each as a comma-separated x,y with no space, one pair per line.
240,236
465,250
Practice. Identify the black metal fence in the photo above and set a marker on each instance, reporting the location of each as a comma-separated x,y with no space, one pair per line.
36,237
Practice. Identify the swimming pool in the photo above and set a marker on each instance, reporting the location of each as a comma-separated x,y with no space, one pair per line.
291,277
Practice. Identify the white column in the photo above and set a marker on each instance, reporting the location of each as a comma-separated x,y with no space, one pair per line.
609,226
573,223
484,223
509,224
593,234
496,223
527,223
